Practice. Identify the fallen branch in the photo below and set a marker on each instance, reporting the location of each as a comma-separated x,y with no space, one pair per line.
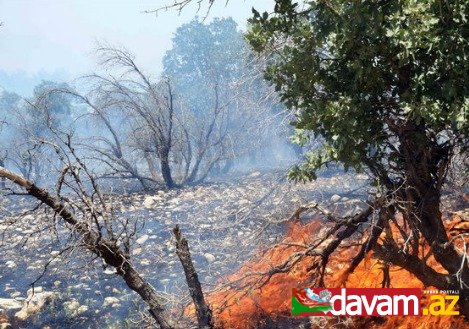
103,248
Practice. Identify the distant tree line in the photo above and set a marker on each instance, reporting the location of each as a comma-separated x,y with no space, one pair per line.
209,109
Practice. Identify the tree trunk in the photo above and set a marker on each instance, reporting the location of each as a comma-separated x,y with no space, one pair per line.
2,179
444,252
424,163
151,166
203,311
148,294
166,169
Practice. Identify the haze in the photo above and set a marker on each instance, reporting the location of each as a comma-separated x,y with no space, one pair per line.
54,39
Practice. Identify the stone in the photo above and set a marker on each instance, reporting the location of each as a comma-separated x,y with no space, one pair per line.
35,302
145,262
74,309
110,271
110,301
15,294
136,251
142,239
209,257
150,201
82,309
10,264
361,177
335,198
10,304
35,290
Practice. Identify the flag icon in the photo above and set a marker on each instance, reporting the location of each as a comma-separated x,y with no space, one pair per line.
306,302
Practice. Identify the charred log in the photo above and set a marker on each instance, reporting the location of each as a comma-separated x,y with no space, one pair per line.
203,311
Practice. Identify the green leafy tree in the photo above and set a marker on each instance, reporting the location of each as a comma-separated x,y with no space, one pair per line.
384,83
205,55
50,108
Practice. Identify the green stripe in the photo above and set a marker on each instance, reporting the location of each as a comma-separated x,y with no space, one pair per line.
298,309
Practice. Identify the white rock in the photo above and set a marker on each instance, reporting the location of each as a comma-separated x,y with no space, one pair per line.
10,264
73,308
149,201
361,177
110,301
136,251
335,198
82,309
15,294
110,271
209,257
34,303
142,239
10,304
34,291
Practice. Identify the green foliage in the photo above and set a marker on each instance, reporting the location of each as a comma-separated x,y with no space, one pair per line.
356,69
52,105
205,55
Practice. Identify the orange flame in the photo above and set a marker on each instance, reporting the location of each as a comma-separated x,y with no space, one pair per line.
250,302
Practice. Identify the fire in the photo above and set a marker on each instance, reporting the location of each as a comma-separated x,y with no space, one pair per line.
252,301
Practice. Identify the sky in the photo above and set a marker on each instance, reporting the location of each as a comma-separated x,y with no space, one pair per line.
54,39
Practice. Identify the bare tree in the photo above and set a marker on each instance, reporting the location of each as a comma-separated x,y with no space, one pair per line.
90,217
158,137
148,105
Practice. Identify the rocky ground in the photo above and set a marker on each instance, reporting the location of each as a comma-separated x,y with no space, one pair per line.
225,222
